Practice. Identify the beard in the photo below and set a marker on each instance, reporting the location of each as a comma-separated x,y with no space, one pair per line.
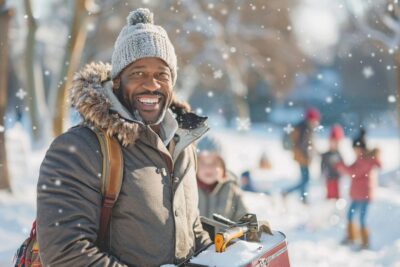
135,107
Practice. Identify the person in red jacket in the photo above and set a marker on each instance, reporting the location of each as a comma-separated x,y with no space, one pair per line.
361,188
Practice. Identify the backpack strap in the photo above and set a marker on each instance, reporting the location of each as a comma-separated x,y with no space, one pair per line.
111,180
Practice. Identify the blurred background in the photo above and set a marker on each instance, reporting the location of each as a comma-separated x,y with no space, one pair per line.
252,67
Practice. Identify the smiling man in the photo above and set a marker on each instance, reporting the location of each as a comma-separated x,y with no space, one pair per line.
155,220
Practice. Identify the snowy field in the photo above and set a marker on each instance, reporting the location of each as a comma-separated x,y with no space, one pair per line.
313,232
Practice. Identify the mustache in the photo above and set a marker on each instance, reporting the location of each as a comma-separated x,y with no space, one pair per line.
157,93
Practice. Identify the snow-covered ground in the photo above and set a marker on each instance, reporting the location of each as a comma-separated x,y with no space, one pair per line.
313,232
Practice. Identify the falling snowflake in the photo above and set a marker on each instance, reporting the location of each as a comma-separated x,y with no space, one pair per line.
21,93
72,149
199,111
367,72
391,99
328,99
210,94
47,72
243,124
218,74
57,182
288,128
319,128
1,128
341,204
268,110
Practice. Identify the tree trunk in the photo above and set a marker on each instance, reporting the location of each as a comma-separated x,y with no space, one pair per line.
5,15
35,98
73,53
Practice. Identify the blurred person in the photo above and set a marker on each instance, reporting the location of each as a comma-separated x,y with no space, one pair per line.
261,173
329,161
218,189
155,220
361,188
302,139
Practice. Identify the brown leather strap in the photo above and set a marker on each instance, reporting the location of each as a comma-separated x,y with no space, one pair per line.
111,181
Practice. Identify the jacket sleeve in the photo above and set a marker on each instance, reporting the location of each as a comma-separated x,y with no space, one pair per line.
240,207
69,202
202,237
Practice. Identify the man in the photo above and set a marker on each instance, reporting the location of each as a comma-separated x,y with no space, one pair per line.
303,148
155,220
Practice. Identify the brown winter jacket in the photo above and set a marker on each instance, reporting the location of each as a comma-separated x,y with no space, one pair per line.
225,199
155,219
303,147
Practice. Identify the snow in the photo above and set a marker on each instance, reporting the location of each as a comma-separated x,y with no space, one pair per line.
313,232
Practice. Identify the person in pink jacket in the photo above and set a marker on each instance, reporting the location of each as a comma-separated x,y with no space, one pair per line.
361,188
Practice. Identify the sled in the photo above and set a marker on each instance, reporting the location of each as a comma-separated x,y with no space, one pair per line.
271,251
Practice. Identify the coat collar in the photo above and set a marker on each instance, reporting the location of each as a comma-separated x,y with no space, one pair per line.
92,96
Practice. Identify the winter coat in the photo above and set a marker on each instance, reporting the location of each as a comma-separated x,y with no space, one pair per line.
155,219
328,164
226,199
362,179
302,139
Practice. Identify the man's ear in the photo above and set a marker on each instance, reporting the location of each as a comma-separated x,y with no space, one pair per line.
116,84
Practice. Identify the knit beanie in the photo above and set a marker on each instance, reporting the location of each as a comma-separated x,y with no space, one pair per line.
312,114
336,132
140,38
209,144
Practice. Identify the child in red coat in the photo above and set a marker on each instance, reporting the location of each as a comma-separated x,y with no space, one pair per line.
361,188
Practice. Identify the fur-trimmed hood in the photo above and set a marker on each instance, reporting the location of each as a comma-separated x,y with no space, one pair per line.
92,96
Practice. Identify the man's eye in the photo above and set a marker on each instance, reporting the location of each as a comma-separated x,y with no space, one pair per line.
164,76
137,74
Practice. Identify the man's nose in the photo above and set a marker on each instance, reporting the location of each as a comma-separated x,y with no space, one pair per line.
151,84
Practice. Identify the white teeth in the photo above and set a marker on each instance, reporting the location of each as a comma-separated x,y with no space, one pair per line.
149,100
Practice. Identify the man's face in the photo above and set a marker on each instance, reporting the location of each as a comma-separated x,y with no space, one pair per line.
146,88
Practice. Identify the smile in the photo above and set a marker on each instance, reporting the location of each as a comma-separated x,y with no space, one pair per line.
149,100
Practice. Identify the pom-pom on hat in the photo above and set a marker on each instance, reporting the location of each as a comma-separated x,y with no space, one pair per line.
140,38
312,114
336,132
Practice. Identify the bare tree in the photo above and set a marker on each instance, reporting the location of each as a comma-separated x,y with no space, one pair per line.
5,15
73,53
33,79
228,40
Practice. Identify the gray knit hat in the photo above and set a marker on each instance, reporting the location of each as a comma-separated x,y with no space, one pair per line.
140,38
